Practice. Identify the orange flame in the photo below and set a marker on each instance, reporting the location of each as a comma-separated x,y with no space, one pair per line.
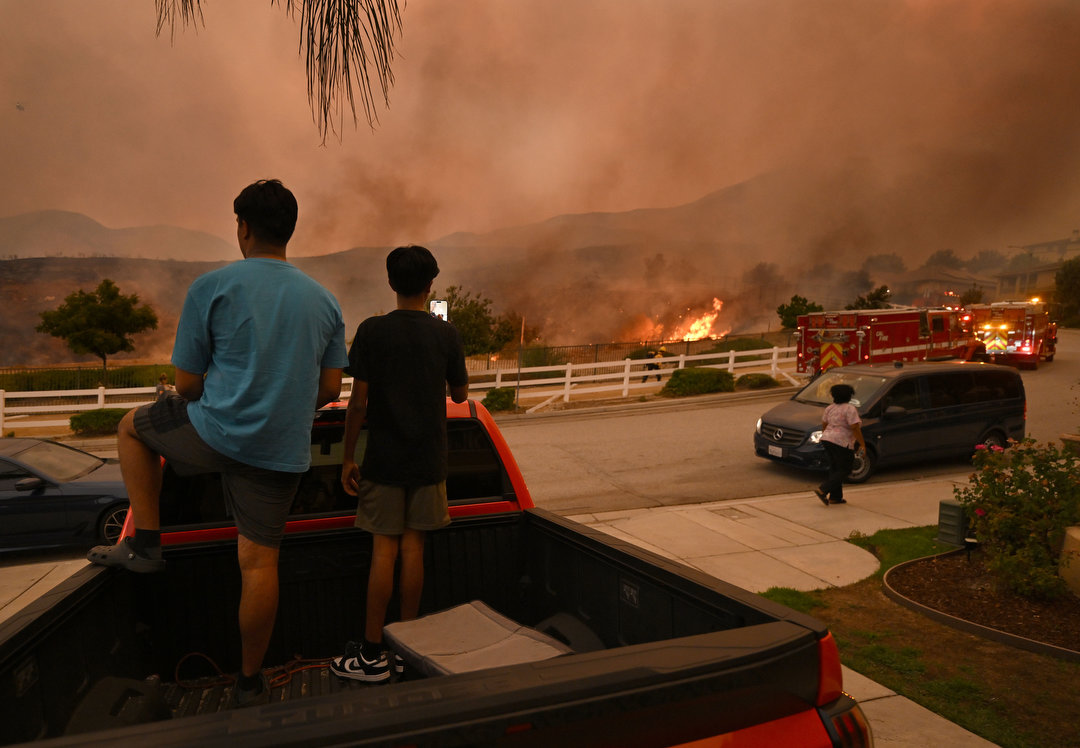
701,327
697,327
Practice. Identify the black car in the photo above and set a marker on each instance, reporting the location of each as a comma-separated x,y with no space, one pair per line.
910,413
55,495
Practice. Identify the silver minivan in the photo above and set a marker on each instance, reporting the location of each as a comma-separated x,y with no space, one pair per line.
910,412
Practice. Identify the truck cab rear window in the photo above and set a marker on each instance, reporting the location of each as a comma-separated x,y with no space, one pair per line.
475,475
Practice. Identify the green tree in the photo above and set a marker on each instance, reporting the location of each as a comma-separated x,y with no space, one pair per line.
986,261
339,39
884,263
1021,261
100,322
1067,288
520,328
973,295
480,329
790,312
876,299
945,258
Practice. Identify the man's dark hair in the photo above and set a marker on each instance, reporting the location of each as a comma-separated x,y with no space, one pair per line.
269,209
841,393
410,269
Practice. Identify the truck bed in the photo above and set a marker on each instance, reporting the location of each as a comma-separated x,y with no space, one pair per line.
707,656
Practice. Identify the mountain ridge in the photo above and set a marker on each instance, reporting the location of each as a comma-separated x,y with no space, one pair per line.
581,277
62,233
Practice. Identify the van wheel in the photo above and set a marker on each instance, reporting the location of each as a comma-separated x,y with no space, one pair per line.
995,439
863,466
111,523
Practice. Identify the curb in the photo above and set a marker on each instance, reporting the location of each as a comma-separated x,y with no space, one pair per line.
962,624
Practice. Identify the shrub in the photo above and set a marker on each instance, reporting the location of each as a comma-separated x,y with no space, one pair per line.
639,353
698,381
1019,503
740,344
499,398
755,381
100,422
539,356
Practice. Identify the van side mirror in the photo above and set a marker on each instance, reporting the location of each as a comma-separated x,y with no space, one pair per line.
894,411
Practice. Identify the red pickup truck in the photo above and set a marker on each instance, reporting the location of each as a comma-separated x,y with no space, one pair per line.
650,652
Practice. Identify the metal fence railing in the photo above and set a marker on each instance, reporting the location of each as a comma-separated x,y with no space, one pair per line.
79,377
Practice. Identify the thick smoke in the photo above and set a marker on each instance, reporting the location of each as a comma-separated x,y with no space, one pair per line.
837,130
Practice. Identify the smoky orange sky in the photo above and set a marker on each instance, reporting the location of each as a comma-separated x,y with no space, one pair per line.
508,112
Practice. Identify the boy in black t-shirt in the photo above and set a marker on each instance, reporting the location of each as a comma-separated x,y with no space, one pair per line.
401,364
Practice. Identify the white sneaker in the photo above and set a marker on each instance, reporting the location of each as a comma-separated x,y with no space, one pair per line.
355,666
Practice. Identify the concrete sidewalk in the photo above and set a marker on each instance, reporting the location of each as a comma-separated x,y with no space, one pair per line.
793,540
789,540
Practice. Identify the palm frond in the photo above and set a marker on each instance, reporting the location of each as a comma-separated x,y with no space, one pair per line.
340,41
169,11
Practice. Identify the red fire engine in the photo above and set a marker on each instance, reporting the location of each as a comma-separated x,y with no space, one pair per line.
873,336
1015,332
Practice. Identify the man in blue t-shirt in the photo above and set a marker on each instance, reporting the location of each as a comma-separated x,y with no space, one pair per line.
259,347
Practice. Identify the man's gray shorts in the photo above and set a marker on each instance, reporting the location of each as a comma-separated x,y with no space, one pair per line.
258,499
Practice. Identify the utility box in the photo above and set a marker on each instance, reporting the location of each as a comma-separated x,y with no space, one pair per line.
1069,565
952,523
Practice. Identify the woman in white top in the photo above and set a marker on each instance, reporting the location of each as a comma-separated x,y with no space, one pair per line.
841,430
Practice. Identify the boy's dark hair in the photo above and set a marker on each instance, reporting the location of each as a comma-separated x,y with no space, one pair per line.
269,209
841,393
410,269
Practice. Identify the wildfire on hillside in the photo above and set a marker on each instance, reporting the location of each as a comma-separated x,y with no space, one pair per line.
699,327
689,325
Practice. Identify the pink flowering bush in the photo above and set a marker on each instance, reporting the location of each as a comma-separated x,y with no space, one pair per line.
1019,503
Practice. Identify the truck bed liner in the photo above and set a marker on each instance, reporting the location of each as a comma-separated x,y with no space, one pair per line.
674,641
210,695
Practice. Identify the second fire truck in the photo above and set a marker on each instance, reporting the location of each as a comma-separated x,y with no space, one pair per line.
873,336
1019,333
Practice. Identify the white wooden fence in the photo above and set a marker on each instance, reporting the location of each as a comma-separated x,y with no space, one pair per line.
41,409
621,378
539,385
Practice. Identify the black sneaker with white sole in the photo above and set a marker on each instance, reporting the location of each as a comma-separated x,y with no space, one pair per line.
399,664
356,666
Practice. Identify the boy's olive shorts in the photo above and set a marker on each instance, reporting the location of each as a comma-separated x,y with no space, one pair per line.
384,509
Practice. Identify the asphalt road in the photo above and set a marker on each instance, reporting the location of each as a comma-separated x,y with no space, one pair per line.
700,449
689,452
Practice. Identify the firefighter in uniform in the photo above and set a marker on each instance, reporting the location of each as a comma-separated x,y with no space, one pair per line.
653,365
